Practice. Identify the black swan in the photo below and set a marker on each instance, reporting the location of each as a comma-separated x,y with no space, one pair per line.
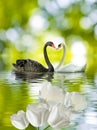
28,65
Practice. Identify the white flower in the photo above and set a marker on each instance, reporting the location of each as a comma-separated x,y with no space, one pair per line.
59,116
19,120
76,101
67,100
51,93
37,114
79,102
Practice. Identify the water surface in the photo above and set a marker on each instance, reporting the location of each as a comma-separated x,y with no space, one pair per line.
17,91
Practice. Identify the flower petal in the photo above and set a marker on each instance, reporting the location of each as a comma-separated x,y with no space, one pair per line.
19,120
59,116
33,118
37,114
51,93
79,102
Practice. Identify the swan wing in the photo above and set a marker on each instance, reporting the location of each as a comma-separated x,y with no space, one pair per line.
72,68
29,66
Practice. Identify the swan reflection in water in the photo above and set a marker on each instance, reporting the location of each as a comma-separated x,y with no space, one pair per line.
33,76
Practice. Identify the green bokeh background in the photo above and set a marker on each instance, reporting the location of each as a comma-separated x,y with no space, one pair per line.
73,21
20,37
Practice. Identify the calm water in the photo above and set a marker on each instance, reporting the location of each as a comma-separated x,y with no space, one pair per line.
17,91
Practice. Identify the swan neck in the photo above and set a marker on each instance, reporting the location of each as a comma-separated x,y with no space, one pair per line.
63,57
50,67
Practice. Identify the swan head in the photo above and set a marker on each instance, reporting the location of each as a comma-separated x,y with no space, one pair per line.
50,43
59,46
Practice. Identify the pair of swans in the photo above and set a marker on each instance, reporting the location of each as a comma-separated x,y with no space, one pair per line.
28,65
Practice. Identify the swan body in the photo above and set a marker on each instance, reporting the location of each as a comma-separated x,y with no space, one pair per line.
71,67
28,65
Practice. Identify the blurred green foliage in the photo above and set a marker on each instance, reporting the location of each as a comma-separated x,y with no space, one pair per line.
15,12
25,25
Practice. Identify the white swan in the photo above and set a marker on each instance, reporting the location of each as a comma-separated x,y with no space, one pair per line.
71,67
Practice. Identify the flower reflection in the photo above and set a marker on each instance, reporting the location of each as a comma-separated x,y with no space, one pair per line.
51,93
55,109
76,101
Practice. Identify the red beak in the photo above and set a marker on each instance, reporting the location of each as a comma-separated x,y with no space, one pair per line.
53,46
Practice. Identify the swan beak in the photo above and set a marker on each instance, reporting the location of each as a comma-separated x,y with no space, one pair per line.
53,46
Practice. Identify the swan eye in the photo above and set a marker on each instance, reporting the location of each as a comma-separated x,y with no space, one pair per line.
59,45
